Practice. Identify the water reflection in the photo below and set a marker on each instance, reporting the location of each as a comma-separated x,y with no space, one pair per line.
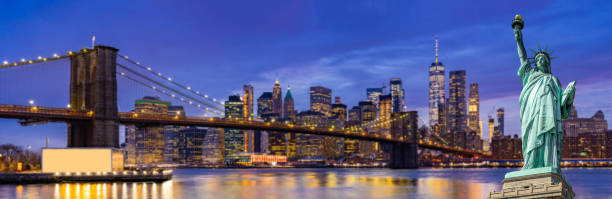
292,183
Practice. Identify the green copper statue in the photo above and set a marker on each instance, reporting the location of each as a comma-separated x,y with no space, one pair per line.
543,105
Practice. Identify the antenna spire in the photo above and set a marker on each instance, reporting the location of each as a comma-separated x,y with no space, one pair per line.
436,38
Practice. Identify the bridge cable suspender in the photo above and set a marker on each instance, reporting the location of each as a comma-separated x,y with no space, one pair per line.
171,81
169,88
121,74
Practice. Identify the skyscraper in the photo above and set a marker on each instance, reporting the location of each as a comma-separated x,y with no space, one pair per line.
491,128
474,110
368,111
277,99
339,109
247,114
320,100
264,104
247,102
148,142
289,106
457,119
500,121
355,115
385,111
373,95
234,138
397,95
436,88
309,145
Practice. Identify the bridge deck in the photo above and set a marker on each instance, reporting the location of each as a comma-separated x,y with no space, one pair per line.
64,115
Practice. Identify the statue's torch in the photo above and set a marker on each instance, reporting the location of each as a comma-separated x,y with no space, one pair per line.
518,21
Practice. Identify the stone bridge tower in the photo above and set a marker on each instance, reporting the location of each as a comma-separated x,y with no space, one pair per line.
93,87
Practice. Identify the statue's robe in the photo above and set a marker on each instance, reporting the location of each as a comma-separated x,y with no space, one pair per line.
543,105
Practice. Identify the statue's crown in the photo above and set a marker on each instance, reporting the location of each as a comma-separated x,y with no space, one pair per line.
543,52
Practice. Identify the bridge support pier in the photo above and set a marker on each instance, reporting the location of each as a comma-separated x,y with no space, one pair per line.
404,156
93,87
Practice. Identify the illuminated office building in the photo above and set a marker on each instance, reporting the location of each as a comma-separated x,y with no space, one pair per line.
397,95
148,142
213,146
264,104
234,138
373,95
189,144
250,136
289,106
355,115
320,100
309,145
277,99
474,110
385,111
500,121
368,111
436,89
339,110
457,118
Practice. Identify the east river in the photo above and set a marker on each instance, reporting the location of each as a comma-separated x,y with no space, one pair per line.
313,184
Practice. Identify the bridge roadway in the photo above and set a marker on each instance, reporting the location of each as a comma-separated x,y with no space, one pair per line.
37,113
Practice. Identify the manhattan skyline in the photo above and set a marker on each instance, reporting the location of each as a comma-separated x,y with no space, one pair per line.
344,47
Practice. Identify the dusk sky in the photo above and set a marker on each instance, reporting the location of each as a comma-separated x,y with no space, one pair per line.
348,46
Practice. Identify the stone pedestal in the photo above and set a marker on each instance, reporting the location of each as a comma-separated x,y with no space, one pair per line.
534,185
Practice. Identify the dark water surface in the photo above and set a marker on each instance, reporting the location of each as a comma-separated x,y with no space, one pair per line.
313,184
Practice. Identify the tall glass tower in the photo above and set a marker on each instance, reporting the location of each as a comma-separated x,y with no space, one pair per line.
436,89
397,95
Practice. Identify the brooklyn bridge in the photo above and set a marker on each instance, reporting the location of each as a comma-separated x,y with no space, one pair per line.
93,117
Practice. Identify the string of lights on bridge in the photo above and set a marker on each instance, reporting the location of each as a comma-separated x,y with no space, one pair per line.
170,80
169,94
208,105
55,56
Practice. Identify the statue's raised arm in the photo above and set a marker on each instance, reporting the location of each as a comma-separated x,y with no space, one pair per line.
517,25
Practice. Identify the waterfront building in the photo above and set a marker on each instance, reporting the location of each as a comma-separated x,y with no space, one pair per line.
457,119
397,94
176,111
277,99
234,138
507,147
264,104
320,100
189,144
213,146
500,121
250,136
309,145
586,137
436,89
148,143
574,125
289,106
474,110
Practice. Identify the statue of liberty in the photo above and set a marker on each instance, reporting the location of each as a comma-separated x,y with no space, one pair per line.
543,105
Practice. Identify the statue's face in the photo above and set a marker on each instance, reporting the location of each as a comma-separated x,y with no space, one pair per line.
542,63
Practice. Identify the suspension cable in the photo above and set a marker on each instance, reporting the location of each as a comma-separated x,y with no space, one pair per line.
167,93
169,88
157,74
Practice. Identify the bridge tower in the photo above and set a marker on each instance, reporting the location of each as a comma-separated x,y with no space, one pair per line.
93,87
404,155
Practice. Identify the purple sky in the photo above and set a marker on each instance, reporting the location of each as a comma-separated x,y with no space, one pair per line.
348,46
